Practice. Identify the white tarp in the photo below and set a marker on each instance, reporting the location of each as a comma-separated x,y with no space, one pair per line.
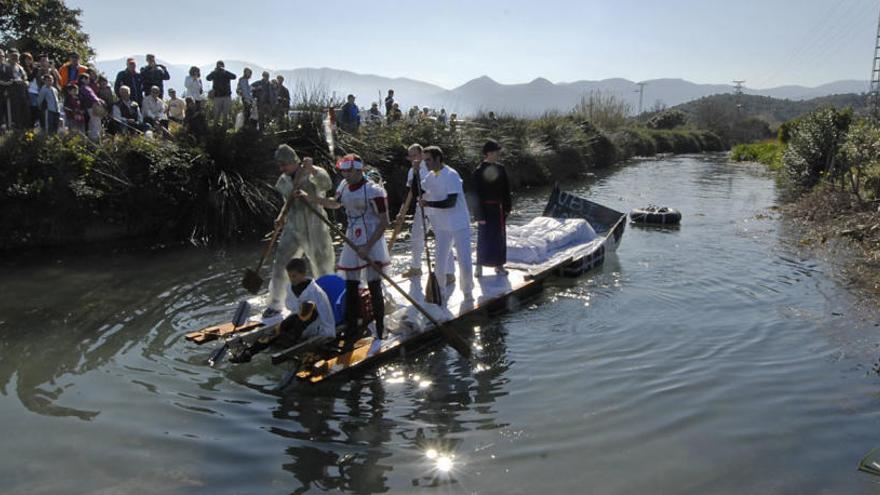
538,240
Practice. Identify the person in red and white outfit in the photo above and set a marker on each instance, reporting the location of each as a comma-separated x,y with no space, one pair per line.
366,206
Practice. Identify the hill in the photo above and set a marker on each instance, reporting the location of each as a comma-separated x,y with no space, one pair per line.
483,93
774,111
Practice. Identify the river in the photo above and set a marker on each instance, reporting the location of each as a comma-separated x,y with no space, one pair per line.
712,358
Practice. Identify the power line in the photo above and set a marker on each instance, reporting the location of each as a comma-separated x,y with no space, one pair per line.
814,38
641,92
738,91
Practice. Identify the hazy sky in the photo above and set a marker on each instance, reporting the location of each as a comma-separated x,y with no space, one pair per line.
448,42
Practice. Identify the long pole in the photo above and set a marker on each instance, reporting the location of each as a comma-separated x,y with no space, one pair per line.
453,338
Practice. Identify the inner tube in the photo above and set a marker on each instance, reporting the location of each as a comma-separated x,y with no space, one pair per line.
657,215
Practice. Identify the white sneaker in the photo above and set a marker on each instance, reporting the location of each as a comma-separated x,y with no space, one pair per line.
375,347
499,270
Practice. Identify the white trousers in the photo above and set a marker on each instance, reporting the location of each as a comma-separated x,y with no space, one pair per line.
320,263
417,239
461,240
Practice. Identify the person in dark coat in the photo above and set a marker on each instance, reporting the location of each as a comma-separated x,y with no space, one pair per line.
492,206
154,75
131,78
283,105
221,92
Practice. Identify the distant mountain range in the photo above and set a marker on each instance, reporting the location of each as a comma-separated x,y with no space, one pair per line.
485,94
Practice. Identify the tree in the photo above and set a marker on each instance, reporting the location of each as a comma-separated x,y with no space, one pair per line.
43,26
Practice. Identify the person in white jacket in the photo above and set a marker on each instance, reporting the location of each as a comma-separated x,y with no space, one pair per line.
155,111
414,176
193,85
311,315
444,202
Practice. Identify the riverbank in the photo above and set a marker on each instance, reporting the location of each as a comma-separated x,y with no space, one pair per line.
67,190
829,165
827,218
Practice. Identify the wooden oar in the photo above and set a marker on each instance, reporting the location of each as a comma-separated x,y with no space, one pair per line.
454,340
251,281
398,222
432,290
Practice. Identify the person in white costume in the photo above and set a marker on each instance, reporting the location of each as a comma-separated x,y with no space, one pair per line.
366,208
304,233
444,202
414,176
310,316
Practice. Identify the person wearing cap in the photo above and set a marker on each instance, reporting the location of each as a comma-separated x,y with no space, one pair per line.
304,233
154,75
132,78
444,203
492,206
366,208
70,70
283,101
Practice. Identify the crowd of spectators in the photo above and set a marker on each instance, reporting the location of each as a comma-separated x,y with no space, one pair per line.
76,98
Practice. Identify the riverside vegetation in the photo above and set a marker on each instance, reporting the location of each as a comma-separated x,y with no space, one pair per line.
66,189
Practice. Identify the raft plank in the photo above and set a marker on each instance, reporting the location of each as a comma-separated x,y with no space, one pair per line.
489,291
214,332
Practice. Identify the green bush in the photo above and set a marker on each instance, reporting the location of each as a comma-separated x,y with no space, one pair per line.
860,159
668,119
67,189
813,146
768,152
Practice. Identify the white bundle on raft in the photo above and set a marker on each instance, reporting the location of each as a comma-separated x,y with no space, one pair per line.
536,241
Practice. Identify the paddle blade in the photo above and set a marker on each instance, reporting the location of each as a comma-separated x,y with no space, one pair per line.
241,314
251,281
217,355
432,290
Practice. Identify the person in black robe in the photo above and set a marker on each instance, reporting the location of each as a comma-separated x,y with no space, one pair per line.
492,205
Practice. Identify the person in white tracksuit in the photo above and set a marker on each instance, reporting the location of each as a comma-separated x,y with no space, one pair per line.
414,176
304,233
310,316
366,206
444,202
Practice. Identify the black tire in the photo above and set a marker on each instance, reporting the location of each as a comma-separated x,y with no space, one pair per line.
655,215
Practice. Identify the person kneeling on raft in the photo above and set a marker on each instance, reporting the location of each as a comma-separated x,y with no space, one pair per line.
310,316
366,206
